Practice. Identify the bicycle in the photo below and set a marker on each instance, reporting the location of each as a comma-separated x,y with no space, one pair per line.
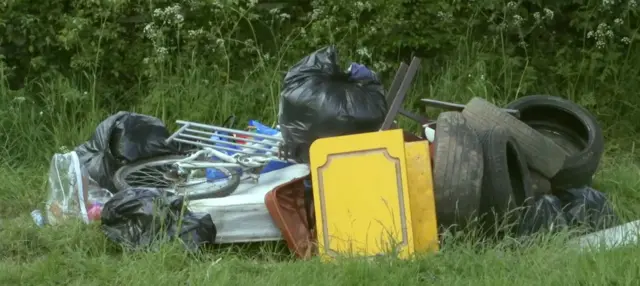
236,159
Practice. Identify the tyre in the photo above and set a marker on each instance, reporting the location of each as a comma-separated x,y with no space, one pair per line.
540,152
539,184
457,171
573,128
506,183
193,189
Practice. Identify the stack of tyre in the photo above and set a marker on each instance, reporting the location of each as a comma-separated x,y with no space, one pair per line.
491,165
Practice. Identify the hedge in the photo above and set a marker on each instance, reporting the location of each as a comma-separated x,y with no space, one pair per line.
121,43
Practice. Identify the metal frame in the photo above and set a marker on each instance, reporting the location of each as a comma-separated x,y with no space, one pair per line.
198,134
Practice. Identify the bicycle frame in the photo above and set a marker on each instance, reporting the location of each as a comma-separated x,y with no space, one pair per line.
231,161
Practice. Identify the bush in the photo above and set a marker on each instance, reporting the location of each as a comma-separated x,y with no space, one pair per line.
122,42
120,49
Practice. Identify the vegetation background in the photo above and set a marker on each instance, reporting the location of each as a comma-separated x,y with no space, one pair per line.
66,65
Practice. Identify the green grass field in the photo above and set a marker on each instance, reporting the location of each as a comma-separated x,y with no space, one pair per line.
61,114
76,254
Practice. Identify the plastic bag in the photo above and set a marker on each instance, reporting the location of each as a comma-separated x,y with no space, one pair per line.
319,100
140,217
72,194
360,72
544,215
123,138
588,208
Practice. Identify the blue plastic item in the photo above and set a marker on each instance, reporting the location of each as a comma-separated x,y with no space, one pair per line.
230,146
360,72
275,165
38,218
214,174
265,130
262,129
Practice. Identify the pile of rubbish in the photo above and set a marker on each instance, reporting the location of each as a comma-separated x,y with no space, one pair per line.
530,164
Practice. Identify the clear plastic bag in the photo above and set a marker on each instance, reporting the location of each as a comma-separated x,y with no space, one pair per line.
72,194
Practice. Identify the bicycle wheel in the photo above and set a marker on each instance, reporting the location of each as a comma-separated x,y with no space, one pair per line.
153,173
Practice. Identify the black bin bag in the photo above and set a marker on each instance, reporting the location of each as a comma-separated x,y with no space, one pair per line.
142,218
588,209
320,100
122,138
544,215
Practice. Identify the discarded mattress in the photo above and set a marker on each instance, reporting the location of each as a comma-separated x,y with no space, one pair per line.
243,216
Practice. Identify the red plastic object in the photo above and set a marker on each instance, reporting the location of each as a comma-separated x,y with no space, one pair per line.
286,206
241,136
94,213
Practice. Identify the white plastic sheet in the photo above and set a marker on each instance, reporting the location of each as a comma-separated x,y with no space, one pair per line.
243,216
72,194
622,235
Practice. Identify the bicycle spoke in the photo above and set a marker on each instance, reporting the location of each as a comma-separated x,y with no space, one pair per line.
155,173
194,183
155,178
145,181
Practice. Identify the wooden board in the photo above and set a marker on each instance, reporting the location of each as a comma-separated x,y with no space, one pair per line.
361,195
421,196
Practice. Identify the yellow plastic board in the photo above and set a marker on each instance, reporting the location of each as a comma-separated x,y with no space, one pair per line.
361,195
421,196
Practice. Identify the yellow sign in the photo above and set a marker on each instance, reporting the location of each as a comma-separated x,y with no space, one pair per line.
362,195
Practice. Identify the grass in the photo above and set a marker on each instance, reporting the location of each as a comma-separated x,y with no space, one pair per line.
59,114
76,254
